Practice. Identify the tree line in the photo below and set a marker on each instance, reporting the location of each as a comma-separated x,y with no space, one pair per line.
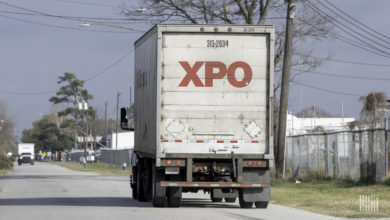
70,117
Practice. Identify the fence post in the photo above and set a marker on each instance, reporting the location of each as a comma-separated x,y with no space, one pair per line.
326,155
386,149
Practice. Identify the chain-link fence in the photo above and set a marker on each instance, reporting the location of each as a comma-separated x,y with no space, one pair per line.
355,154
117,157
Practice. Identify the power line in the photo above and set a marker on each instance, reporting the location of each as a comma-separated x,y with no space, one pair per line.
357,45
88,79
88,3
116,19
357,26
71,17
357,20
358,63
327,90
348,76
323,14
65,27
89,19
62,17
27,93
109,67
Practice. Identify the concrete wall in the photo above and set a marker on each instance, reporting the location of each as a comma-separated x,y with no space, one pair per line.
117,157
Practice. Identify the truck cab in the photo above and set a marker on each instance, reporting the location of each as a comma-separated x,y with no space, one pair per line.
26,158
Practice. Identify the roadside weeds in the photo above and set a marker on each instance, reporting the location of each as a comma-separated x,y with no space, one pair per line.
332,197
98,167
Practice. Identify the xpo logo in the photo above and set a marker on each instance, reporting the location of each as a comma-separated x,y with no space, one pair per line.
215,70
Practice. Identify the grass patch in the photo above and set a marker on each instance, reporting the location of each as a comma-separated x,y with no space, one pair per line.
337,198
4,172
102,168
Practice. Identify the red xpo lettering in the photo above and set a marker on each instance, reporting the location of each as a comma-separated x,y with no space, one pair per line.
215,70
191,74
231,74
209,72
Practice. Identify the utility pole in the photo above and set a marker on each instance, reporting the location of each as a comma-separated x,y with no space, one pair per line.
284,89
94,132
76,107
116,124
342,112
130,109
75,133
105,124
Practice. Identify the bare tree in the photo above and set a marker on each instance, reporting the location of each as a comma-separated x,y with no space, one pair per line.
7,127
314,111
309,26
373,112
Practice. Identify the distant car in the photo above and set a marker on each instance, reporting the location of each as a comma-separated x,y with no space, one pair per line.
26,158
14,157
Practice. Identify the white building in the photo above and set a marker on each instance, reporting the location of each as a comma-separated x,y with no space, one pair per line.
297,126
125,140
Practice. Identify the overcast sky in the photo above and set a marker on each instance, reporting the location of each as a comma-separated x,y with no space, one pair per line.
32,56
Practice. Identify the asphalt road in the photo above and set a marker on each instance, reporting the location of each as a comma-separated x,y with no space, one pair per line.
46,191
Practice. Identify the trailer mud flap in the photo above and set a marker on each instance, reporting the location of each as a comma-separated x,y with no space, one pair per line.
256,194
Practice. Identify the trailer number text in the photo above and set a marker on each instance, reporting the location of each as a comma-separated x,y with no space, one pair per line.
217,43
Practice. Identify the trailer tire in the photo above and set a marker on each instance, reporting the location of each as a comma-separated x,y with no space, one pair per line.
159,198
141,193
261,204
174,194
133,186
213,199
243,204
230,200
134,191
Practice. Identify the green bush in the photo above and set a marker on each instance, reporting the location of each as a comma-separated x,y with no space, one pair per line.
5,163
387,182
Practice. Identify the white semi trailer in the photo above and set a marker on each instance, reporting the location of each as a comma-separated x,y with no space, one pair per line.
203,113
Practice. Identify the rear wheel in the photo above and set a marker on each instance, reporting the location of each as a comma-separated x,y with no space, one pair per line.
213,199
133,185
230,200
174,193
261,204
243,204
141,190
134,191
